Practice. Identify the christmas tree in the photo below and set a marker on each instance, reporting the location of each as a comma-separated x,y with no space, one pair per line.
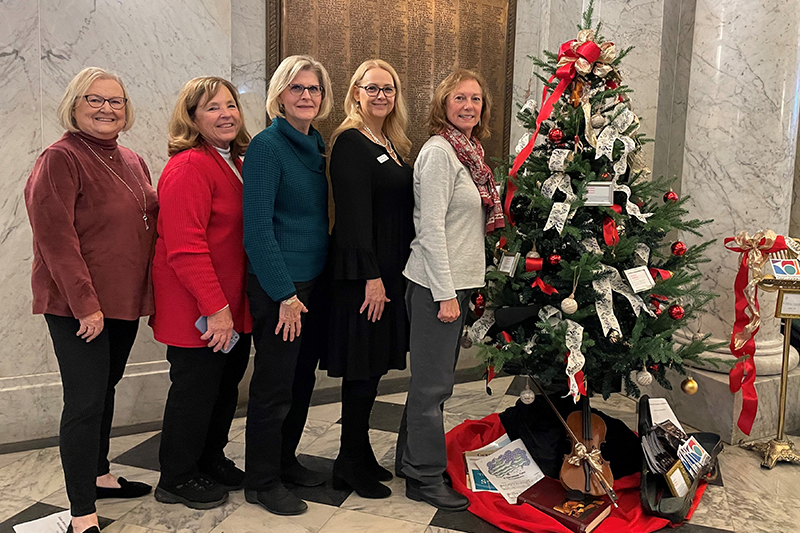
584,281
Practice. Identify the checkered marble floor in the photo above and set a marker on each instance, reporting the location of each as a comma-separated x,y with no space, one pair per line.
32,484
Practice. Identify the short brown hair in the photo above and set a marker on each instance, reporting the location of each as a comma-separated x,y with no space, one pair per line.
183,132
283,76
437,114
78,86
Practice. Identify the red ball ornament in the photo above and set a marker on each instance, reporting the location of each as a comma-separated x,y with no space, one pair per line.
556,135
678,248
480,305
605,175
554,260
670,196
676,312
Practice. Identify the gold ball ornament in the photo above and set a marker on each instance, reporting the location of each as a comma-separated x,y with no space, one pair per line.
689,386
569,305
614,336
644,378
598,121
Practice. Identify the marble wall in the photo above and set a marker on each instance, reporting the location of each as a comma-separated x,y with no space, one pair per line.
155,46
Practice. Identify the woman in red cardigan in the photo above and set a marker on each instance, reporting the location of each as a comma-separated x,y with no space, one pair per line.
199,272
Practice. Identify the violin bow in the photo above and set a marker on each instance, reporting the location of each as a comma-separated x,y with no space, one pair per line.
599,475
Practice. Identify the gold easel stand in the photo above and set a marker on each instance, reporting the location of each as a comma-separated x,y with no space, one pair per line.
780,448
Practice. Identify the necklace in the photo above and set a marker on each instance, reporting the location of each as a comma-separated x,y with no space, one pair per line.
144,198
386,146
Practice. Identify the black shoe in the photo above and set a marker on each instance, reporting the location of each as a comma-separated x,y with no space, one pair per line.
197,493
440,495
277,501
226,473
297,474
352,475
93,529
373,467
127,489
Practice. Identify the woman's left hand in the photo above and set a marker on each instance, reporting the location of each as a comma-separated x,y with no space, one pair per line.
220,330
374,299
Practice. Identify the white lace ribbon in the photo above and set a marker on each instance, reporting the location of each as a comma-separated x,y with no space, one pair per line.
573,340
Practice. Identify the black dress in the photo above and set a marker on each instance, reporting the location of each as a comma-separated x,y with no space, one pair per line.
371,239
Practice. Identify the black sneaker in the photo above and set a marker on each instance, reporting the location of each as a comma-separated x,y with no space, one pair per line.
226,473
197,493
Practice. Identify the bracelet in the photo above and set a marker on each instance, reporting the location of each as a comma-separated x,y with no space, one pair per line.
290,301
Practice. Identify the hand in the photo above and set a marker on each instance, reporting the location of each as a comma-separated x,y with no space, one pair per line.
374,299
449,310
220,330
91,326
289,319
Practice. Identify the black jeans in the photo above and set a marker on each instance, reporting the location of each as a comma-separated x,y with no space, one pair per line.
280,389
90,372
200,408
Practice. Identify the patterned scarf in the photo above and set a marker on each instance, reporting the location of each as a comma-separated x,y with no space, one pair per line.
471,156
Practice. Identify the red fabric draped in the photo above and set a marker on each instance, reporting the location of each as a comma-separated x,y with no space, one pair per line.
472,434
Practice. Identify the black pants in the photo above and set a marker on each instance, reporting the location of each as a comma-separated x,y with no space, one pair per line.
200,408
421,451
358,397
90,372
281,387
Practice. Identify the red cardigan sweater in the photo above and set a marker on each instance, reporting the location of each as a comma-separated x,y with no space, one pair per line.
200,265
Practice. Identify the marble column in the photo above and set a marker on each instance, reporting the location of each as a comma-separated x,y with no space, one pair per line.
738,165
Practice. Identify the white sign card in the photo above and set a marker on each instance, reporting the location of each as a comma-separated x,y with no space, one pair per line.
789,304
54,523
661,411
640,278
599,193
508,263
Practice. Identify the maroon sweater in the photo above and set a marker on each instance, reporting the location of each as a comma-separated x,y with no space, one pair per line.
91,251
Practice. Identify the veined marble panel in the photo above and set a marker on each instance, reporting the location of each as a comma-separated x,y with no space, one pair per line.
741,140
249,60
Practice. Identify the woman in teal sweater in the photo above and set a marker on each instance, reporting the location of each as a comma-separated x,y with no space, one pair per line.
286,240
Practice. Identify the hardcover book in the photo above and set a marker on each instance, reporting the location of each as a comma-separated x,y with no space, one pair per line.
550,497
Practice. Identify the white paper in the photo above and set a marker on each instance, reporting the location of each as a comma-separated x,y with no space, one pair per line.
476,481
599,193
661,411
639,278
511,470
790,305
55,523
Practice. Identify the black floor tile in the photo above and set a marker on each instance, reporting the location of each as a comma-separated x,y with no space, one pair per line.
38,510
517,385
386,416
324,494
463,521
144,455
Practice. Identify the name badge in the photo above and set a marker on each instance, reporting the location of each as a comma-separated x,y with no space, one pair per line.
383,158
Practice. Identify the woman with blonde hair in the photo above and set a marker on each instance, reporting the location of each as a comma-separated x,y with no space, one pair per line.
93,213
199,273
286,239
372,189
455,204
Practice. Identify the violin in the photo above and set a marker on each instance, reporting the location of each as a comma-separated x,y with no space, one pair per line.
584,470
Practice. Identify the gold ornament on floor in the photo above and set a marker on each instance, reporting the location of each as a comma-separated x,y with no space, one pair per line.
689,386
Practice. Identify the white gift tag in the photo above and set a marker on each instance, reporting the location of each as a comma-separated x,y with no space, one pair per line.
383,158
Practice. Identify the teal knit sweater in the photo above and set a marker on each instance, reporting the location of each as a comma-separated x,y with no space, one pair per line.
285,207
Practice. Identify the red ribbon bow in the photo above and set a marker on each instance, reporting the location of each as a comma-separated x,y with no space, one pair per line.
610,233
568,55
547,289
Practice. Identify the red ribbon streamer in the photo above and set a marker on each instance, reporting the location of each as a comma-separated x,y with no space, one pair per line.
664,274
533,264
507,337
610,233
743,374
565,73
547,289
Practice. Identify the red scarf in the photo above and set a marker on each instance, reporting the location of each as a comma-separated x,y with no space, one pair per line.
470,154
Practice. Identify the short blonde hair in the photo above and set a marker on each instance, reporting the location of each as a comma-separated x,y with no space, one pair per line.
283,76
77,88
395,123
437,114
183,132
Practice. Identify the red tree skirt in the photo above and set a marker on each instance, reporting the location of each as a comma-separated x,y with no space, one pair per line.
473,434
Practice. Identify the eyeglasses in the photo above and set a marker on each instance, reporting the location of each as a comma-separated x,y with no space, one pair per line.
97,102
373,90
298,90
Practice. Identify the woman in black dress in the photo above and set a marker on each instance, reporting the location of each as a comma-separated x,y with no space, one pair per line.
372,190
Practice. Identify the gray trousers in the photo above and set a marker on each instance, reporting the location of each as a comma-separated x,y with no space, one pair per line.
421,452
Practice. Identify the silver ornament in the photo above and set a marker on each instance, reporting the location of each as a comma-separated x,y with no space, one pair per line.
569,305
598,121
527,396
644,378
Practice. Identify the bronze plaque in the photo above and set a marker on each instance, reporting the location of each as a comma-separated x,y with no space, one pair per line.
422,39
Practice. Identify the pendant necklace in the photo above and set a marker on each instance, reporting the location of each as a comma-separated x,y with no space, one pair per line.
144,198
387,146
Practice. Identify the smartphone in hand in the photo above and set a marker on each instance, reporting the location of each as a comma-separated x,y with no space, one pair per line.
202,327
